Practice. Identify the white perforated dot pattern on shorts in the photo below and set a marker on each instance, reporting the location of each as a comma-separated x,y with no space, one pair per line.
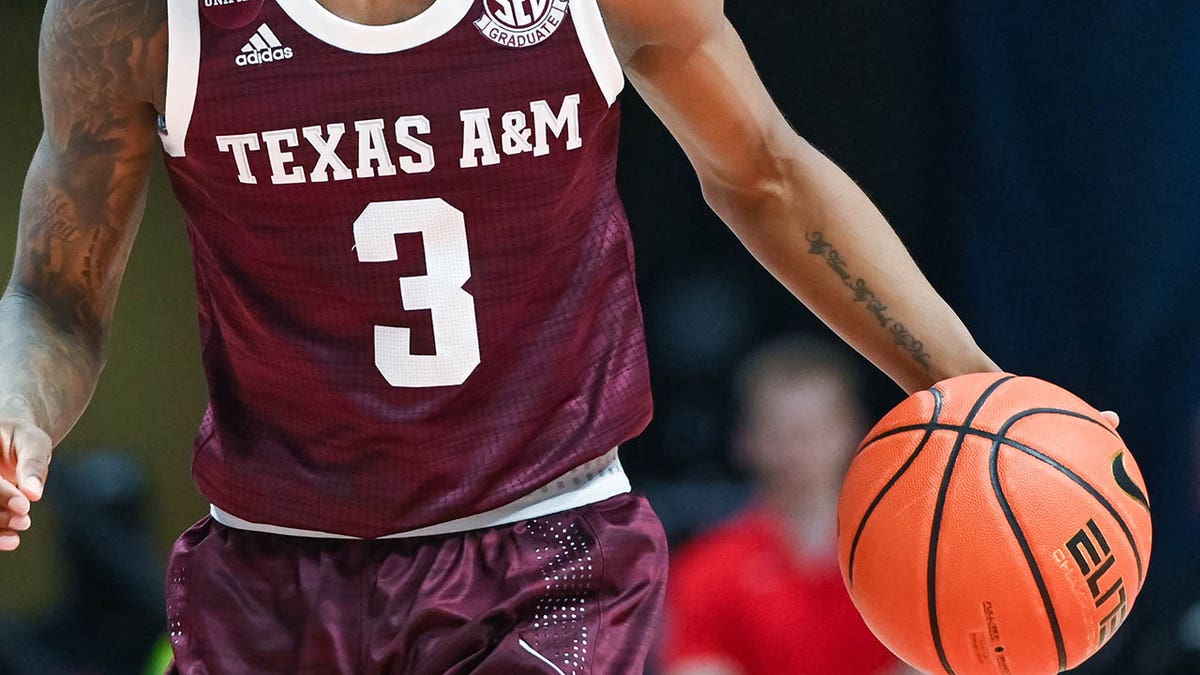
174,609
560,629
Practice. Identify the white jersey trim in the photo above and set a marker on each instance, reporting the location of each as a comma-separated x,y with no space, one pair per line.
598,49
183,73
332,29
592,482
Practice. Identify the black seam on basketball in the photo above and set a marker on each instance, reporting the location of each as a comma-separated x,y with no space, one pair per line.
935,529
937,398
962,429
1137,557
1060,411
959,427
1070,474
945,426
1030,560
862,523
927,426
1096,494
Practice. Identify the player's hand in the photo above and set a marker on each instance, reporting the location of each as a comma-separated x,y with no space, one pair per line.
24,460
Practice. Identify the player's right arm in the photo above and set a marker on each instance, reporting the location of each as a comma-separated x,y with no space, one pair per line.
100,66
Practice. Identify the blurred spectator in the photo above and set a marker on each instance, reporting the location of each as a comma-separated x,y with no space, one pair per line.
762,594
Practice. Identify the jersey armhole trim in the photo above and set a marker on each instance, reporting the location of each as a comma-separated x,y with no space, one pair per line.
183,73
593,38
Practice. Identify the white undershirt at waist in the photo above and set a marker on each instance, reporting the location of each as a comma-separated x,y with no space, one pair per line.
588,483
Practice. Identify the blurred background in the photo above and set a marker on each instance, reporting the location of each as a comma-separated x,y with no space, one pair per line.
1041,161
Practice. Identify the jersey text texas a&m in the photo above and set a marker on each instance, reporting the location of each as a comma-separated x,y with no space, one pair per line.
367,151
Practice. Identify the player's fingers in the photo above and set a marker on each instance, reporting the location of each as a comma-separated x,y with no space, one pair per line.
1112,417
33,448
14,521
9,540
12,499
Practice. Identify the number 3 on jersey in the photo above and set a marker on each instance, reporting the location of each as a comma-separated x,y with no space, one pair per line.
440,290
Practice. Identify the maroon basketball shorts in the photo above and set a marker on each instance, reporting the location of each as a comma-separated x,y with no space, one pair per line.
570,593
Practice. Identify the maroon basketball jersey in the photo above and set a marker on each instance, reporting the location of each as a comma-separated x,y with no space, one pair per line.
415,276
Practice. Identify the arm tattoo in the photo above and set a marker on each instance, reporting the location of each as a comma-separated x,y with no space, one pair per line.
85,189
99,62
863,293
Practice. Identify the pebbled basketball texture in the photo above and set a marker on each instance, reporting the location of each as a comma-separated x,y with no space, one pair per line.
994,525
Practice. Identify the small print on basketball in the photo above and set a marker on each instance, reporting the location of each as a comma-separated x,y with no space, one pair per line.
994,524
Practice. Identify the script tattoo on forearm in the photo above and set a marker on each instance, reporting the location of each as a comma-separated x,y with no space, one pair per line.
863,293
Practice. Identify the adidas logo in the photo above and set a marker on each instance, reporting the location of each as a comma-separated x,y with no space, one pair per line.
263,47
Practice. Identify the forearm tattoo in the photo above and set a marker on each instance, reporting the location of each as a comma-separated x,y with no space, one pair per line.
863,293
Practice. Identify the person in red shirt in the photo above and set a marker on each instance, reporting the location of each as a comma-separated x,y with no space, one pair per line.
762,593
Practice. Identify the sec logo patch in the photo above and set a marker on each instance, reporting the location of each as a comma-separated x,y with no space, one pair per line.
520,23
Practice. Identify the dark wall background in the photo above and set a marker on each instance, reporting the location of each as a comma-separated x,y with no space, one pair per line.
1075,189
1039,159
856,79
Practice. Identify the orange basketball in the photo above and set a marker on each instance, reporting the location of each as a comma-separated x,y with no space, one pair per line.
994,524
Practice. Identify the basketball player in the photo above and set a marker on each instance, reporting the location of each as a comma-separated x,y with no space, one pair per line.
419,322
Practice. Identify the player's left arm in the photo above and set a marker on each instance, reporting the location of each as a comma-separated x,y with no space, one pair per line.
796,211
